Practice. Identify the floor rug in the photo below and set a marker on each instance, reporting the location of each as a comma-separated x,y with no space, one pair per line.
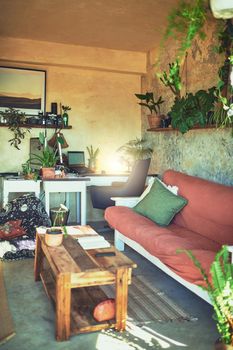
146,303
6,323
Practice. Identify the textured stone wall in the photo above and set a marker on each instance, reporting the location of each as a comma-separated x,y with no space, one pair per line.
206,153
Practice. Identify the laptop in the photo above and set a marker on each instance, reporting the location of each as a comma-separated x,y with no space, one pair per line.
76,161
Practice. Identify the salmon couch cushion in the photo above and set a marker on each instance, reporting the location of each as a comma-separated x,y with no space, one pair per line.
163,242
209,211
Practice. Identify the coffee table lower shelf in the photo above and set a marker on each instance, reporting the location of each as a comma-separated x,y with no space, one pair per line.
83,301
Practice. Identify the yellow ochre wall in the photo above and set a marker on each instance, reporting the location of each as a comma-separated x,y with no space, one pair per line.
99,84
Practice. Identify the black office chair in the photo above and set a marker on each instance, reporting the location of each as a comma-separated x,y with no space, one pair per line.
101,195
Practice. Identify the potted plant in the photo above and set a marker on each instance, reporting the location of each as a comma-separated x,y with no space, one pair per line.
172,79
28,172
54,235
15,121
135,150
47,160
192,110
65,116
92,161
149,102
220,291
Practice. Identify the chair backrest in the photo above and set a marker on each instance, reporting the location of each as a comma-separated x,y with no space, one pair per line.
136,181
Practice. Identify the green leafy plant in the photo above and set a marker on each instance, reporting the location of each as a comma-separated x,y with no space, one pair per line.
47,159
150,102
65,109
192,109
172,79
186,22
28,172
137,149
93,154
220,291
15,121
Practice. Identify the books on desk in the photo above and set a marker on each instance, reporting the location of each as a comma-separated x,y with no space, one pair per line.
93,242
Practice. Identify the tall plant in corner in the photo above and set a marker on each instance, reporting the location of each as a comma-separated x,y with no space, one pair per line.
220,291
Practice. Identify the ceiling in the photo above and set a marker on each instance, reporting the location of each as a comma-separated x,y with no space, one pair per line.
135,25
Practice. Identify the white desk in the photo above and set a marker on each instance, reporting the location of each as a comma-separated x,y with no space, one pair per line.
14,185
105,180
77,185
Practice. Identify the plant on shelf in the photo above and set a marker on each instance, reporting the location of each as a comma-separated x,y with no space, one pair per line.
148,100
172,79
92,161
192,110
65,116
220,291
135,150
223,114
186,22
15,121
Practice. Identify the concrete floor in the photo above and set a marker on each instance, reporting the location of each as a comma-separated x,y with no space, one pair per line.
34,317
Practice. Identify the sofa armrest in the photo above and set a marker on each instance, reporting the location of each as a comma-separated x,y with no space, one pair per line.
125,201
230,249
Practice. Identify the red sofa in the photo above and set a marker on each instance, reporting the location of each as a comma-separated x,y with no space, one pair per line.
203,225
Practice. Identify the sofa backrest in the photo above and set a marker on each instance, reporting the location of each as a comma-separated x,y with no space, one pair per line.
210,206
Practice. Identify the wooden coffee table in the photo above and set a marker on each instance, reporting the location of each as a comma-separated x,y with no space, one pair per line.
71,277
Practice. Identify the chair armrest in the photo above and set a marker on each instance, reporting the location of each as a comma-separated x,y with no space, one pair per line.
230,249
125,201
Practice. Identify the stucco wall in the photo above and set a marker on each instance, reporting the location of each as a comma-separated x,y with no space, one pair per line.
206,153
98,84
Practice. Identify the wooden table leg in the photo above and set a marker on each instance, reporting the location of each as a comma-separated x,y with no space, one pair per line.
63,304
38,259
121,298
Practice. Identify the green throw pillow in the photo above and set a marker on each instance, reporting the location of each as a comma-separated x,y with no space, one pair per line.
160,205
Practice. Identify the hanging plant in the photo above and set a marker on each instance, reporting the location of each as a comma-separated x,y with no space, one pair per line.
185,22
15,121
172,79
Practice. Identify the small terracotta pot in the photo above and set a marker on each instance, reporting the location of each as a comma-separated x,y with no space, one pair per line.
154,120
48,173
29,176
53,237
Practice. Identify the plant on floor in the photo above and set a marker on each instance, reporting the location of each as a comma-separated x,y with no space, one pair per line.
15,121
220,291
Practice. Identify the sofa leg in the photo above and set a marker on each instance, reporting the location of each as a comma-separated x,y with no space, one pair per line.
119,244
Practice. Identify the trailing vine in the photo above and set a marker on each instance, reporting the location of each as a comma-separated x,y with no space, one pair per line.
15,121
185,22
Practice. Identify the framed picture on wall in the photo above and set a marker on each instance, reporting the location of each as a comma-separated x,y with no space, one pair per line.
23,89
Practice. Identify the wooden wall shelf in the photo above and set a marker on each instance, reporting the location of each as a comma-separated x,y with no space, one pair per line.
38,126
171,129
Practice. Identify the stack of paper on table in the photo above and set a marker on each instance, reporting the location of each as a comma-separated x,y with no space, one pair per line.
93,242
73,230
